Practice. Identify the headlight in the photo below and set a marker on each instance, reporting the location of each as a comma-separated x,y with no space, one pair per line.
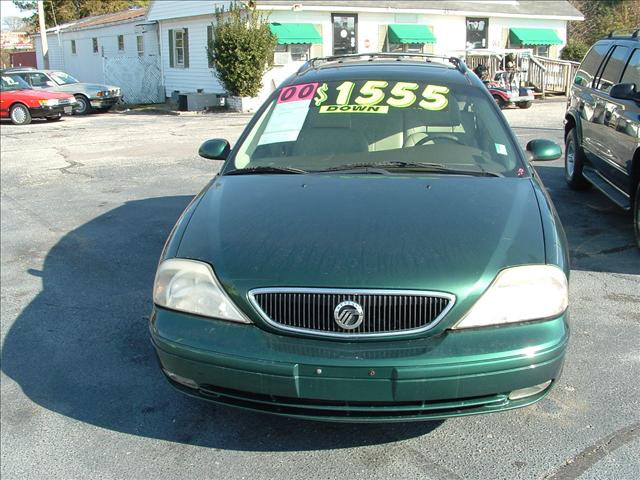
191,286
102,94
518,294
49,103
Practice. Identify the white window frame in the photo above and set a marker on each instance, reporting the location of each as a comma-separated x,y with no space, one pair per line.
121,38
176,62
140,44
95,47
287,48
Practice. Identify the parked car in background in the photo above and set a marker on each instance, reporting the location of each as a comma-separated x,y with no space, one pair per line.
377,247
90,96
21,103
602,123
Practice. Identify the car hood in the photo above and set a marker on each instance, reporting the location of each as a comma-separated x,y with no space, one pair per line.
44,94
441,233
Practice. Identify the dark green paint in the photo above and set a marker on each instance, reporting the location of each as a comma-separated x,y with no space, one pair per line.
445,233
542,149
215,149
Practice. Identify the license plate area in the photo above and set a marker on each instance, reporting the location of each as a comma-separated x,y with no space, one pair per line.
68,110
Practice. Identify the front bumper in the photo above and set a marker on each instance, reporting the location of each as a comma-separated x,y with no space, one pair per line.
104,102
54,111
452,374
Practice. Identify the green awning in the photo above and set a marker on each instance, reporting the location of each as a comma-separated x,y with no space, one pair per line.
534,36
295,33
412,33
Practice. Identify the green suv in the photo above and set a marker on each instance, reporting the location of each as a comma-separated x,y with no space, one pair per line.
602,124
376,247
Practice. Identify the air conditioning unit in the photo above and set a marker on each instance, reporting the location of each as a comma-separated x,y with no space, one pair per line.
193,102
282,58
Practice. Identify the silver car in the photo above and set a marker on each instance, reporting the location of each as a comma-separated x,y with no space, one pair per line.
90,96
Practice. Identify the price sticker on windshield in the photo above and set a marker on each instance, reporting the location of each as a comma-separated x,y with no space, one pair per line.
298,93
376,96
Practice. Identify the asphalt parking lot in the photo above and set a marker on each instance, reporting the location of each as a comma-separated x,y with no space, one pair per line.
86,205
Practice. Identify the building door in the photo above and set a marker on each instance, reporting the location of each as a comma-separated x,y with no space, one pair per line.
345,33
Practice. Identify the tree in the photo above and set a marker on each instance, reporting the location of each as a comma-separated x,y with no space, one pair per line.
600,18
13,24
241,49
58,12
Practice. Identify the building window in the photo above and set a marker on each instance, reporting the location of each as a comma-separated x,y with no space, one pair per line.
73,47
293,53
477,32
140,44
94,44
179,48
121,43
406,47
541,50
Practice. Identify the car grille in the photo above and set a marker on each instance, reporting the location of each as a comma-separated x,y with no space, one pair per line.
65,102
384,312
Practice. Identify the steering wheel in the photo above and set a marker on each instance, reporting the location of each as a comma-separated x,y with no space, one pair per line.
447,137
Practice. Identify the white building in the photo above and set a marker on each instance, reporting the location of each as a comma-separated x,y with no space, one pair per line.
355,26
116,49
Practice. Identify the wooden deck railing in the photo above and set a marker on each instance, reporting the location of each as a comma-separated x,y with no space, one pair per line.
545,75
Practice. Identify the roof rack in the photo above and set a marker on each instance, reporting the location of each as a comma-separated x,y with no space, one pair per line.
635,35
427,57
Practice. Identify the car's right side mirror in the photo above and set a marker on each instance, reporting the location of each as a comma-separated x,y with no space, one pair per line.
542,149
624,91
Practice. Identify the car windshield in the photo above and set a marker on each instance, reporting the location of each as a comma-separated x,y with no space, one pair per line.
379,126
62,78
13,82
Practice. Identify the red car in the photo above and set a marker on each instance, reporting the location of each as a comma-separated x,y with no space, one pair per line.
20,103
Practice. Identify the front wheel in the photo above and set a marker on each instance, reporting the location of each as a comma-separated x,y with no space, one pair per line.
636,215
84,106
20,115
574,163
524,104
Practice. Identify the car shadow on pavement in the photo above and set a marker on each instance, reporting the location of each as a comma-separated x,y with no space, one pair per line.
600,235
81,348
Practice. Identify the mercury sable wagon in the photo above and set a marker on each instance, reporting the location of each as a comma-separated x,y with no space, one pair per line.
376,247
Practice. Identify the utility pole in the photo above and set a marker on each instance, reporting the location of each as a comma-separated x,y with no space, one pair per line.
43,34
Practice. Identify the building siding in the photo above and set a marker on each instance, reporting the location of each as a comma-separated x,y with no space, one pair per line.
198,75
85,65
168,10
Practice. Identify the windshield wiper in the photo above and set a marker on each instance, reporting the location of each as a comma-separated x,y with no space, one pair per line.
382,167
440,168
265,170
356,168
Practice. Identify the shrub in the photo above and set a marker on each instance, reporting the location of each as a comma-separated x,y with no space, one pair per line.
241,49
574,51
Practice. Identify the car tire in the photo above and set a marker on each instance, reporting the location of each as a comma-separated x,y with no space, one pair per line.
636,215
574,163
84,106
524,104
54,119
500,102
20,114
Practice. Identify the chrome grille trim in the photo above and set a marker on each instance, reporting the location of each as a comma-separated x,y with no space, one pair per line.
386,325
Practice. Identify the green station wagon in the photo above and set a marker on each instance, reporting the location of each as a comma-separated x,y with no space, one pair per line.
376,247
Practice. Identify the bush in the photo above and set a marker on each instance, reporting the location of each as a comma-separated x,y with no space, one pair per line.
241,49
574,51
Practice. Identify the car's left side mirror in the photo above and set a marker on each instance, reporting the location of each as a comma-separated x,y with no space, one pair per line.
215,149
542,149
623,91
